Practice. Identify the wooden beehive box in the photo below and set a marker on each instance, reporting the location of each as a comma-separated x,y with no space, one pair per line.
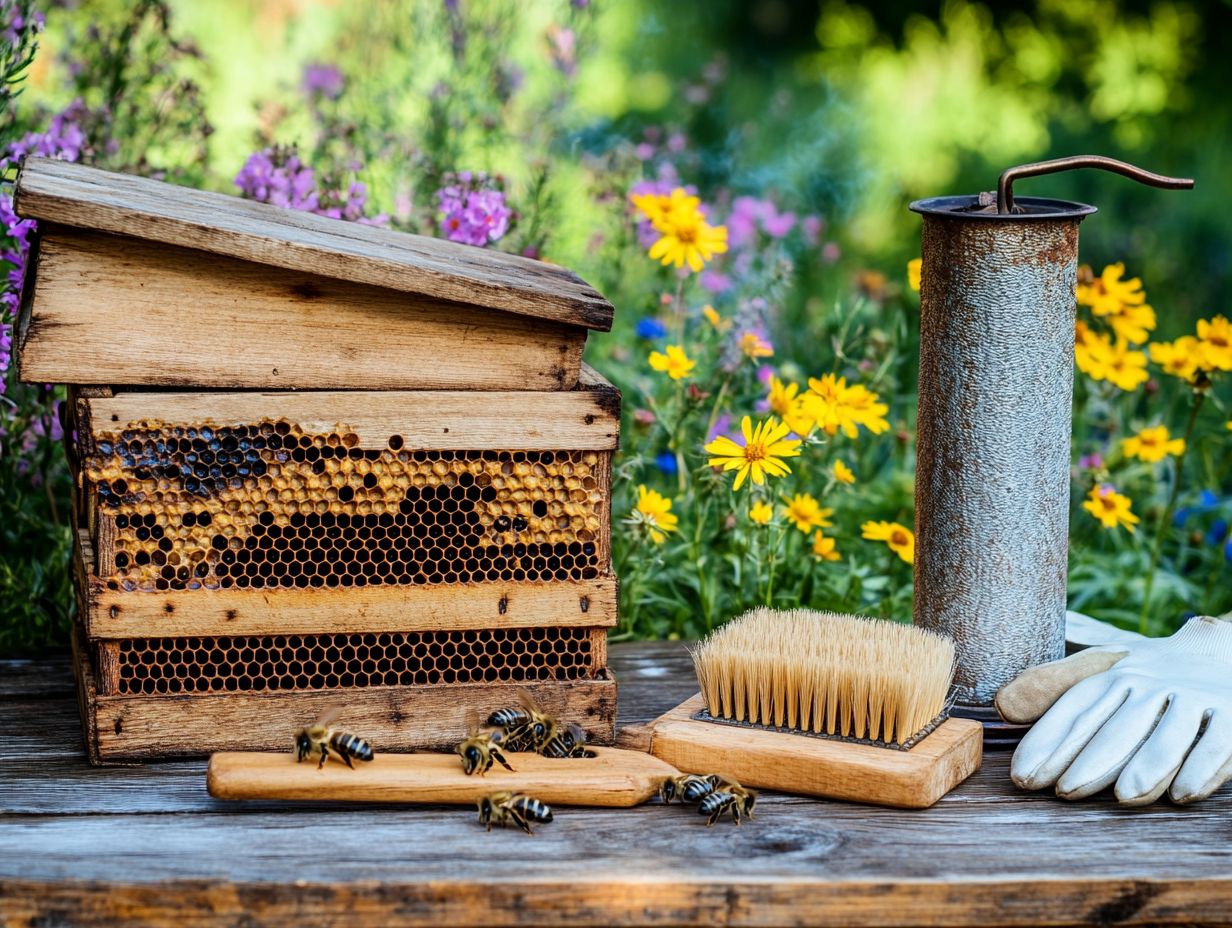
317,465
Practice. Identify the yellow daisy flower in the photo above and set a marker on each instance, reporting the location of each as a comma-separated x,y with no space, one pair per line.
1108,294
899,538
1152,445
1098,358
1180,358
663,208
843,473
1215,350
654,510
1110,508
825,548
805,513
832,405
762,452
784,403
716,321
914,266
754,346
675,363
686,236
1133,323
761,513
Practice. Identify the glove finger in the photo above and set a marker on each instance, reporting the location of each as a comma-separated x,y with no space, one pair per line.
1209,763
1103,758
1151,770
1055,740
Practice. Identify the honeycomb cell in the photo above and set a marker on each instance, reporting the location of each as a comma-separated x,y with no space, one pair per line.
328,661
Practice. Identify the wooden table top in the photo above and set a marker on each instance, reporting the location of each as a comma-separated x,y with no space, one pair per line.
144,845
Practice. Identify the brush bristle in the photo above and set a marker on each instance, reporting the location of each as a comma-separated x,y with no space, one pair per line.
825,673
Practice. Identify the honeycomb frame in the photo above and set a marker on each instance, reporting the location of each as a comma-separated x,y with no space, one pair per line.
269,506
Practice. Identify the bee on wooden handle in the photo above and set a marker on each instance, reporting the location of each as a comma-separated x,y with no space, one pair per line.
688,787
323,739
730,796
526,728
518,808
480,749
569,741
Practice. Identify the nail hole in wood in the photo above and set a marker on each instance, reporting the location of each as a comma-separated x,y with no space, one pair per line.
119,726
503,605
113,611
585,603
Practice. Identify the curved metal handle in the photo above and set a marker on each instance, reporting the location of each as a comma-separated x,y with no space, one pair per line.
1005,193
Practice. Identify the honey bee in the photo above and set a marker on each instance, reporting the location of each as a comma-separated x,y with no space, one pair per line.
729,796
323,739
569,741
518,808
689,787
526,727
480,749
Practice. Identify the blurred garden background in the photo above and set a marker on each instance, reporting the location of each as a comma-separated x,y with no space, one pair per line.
795,135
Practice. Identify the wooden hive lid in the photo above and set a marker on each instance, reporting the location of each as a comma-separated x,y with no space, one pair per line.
124,204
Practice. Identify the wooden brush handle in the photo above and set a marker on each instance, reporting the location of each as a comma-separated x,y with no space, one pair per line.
613,778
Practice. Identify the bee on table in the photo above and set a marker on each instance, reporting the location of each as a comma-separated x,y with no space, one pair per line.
518,808
526,727
689,787
480,749
323,739
729,796
569,741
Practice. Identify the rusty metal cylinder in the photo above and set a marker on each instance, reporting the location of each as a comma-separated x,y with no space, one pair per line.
992,478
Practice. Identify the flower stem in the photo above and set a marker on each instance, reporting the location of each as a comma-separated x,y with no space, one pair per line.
1165,517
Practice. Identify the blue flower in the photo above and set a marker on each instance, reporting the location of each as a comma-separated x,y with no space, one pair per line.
650,328
1227,551
1207,500
1218,532
666,462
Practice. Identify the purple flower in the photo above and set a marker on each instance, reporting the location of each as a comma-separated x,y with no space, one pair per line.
777,224
6,353
473,209
322,80
811,227
714,281
722,426
276,175
564,49
1093,461
64,138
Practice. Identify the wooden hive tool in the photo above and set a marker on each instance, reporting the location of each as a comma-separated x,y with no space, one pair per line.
614,777
826,705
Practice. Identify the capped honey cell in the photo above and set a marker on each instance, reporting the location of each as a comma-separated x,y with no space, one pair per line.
267,506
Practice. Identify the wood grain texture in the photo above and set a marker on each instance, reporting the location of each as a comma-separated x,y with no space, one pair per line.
393,718
614,778
111,310
148,846
443,607
75,195
582,419
913,779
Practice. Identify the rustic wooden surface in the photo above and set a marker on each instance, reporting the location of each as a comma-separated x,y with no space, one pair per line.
147,845
111,310
912,779
75,195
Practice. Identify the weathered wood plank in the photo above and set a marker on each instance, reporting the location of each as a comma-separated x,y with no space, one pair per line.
393,718
111,310
35,678
653,899
564,603
583,419
75,195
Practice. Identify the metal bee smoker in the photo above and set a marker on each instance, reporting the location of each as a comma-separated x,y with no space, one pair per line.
997,310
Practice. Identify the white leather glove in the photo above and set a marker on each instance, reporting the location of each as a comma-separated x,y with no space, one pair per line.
1150,714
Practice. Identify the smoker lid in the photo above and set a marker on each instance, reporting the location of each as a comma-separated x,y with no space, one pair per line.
984,206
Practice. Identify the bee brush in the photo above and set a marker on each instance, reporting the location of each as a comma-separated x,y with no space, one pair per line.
827,705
